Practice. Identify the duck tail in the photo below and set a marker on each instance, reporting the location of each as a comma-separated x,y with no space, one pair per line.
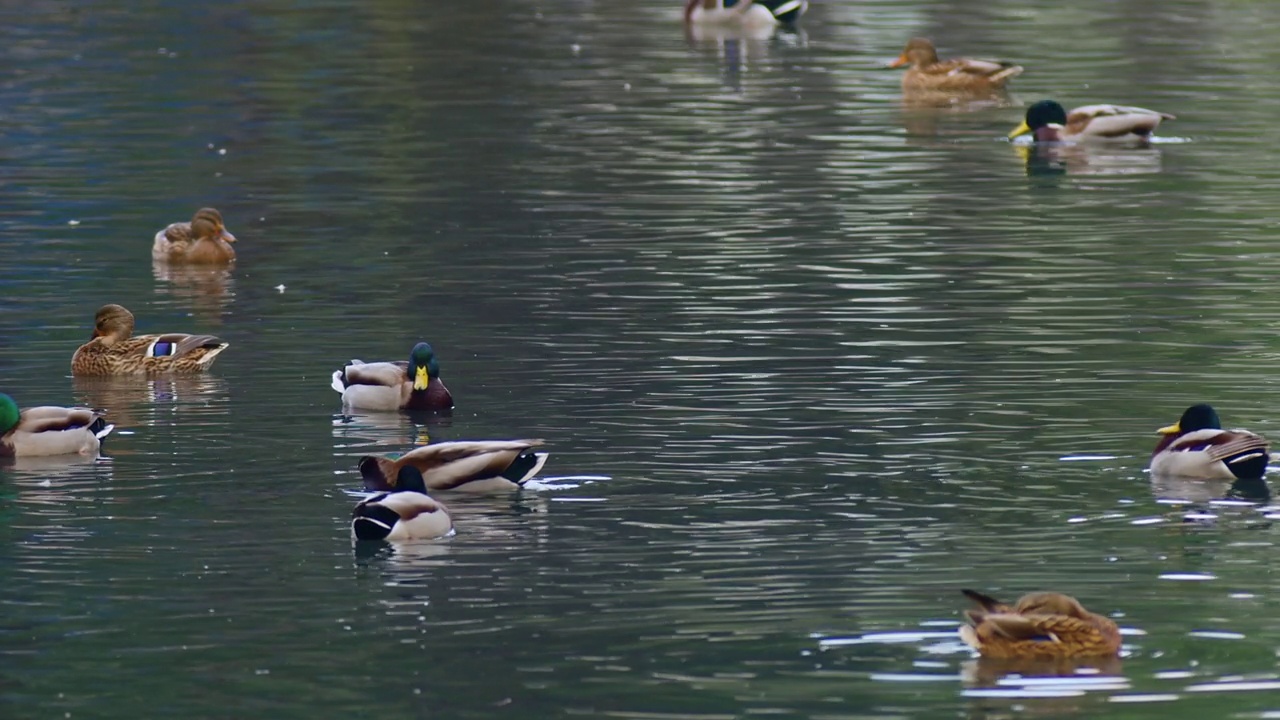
336,383
525,467
101,429
986,602
1008,73
373,522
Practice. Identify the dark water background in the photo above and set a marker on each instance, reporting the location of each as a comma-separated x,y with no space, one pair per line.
837,358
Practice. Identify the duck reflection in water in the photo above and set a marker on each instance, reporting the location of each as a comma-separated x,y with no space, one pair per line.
208,290
1047,159
989,672
134,401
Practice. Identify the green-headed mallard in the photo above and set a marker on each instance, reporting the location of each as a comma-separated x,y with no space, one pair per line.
412,385
961,75
1197,447
203,241
1047,121
406,513
475,466
115,350
1042,624
745,14
49,430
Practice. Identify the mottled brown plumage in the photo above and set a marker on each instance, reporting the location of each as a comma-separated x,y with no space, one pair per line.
203,241
115,350
961,75
1040,625
475,466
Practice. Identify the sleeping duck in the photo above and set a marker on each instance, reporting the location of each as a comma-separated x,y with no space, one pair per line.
744,13
473,466
1042,624
406,513
49,430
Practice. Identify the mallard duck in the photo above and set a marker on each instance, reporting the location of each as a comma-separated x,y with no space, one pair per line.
406,513
1197,447
475,466
961,75
413,385
203,241
115,350
1047,121
49,430
744,13
1042,624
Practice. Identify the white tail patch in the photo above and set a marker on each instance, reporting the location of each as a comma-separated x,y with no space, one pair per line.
207,360
337,384
969,637
105,431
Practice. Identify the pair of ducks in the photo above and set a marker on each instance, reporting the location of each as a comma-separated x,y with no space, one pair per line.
1052,625
1046,121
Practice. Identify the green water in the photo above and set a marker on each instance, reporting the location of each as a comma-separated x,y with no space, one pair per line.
810,360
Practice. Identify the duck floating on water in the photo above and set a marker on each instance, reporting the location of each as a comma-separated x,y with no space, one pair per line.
406,513
115,350
203,241
1197,447
412,385
49,430
744,13
473,466
1047,121
1042,624
960,75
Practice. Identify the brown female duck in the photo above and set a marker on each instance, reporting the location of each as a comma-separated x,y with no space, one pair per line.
49,430
1042,624
961,75
203,241
115,350
475,466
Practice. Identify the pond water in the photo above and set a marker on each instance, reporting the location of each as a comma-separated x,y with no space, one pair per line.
807,361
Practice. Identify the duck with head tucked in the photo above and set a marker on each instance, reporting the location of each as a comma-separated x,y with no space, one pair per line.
49,430
1047,121
745,14
1042,624
115,350
473,466
203,241
406,513
1197,447
412,385
959,75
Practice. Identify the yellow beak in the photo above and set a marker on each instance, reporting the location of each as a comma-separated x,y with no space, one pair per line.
1022,129
1170,429
420,379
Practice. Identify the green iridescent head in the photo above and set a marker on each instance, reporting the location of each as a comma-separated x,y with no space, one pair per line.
423,366
9,413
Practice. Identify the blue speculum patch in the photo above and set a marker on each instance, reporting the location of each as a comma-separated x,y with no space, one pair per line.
162,349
